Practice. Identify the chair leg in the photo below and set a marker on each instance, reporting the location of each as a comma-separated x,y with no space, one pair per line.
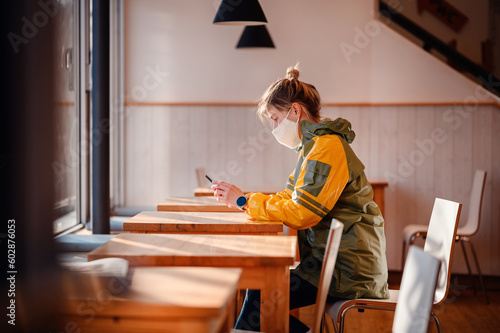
478,270
341,323
468,266
438,323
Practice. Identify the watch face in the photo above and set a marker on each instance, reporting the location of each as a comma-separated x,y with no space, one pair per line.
241,201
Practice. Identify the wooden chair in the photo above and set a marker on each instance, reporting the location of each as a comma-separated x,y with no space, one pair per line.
439,243
416,292
330,257
331,251
470,227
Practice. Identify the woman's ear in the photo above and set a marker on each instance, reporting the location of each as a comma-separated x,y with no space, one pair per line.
297,109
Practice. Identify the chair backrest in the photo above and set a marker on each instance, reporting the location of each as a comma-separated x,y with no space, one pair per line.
471,225
200,178
440,241
331,251
416,293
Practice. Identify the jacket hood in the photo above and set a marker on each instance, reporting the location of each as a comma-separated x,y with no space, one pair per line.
339,126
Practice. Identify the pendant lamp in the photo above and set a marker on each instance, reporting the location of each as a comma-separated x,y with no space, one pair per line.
240,12
255,36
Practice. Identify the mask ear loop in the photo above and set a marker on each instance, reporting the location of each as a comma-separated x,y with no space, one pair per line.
283,119
287,114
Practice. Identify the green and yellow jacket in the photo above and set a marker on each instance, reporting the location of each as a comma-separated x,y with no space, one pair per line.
329,182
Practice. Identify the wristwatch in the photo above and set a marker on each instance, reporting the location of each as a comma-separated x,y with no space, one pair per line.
241,201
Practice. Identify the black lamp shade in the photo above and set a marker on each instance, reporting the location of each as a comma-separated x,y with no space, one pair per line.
240,12
255,36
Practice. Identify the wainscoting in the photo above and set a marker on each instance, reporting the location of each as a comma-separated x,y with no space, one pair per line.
422,151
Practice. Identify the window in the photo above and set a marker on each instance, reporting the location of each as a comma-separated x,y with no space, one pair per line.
71,166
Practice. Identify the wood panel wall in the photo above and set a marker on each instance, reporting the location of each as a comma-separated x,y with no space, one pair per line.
423,151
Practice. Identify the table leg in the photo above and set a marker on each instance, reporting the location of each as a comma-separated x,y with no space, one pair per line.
274,285
275,300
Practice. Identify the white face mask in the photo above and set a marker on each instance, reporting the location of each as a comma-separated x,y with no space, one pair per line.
287,132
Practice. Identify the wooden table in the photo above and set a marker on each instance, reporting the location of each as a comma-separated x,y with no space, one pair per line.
194,204
265,261
378,186
200,223
160,299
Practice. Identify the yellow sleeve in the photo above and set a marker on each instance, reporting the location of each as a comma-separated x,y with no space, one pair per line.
322,178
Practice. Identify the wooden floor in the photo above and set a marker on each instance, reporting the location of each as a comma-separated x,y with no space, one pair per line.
461,312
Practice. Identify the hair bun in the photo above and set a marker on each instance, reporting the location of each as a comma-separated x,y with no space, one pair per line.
292,73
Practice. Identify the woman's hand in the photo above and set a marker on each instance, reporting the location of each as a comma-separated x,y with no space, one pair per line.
227,193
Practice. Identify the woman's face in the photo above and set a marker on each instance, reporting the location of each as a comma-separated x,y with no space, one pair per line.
277,116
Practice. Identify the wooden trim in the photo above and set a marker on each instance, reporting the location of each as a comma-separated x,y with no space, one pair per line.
133,103
490,103
227,104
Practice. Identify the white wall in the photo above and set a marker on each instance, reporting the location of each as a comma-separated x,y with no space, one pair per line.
346,53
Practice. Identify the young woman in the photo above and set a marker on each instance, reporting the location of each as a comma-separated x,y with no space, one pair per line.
328,182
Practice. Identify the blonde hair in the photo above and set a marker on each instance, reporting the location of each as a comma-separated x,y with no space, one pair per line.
284,92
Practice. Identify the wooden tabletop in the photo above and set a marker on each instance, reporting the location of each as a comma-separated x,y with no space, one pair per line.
194,204
200,222
265,261
173,299
199,250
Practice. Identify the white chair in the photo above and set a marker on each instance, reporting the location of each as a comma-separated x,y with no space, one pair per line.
416,292
468,229
330,257
439,243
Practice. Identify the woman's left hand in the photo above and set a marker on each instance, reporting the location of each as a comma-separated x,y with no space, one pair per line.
227,193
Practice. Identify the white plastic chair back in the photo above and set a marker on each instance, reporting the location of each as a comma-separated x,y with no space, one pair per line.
440,241
471,225
331,251
416,292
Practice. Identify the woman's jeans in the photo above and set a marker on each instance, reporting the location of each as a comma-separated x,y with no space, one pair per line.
302,293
